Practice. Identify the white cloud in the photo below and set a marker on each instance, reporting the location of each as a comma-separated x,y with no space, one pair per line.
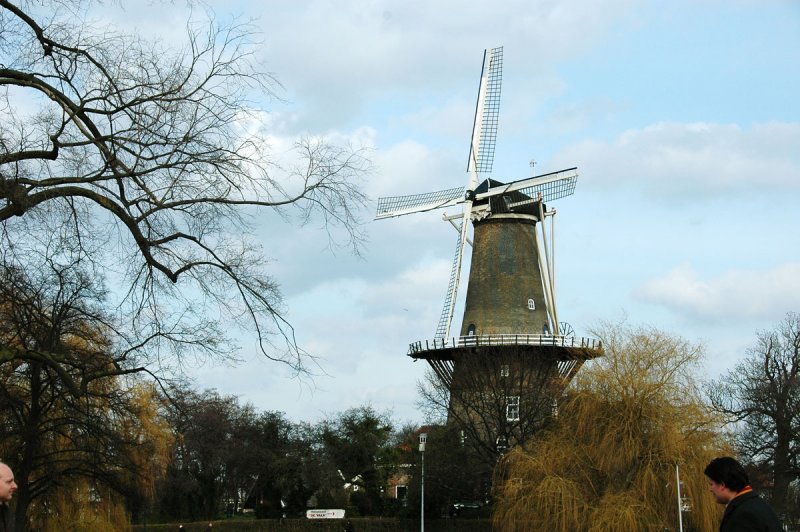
733,295
691,162
409,167
350,52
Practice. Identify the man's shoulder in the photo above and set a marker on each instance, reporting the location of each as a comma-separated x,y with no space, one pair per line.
6,518
751,509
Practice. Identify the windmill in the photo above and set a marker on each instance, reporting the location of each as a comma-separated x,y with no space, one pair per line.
510,304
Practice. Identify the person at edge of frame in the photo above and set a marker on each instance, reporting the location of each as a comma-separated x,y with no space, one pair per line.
744,511
7,489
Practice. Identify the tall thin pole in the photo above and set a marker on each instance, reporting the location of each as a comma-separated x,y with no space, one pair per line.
423,438
680,504
422,497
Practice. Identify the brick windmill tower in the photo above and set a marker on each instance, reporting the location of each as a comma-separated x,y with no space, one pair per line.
513,357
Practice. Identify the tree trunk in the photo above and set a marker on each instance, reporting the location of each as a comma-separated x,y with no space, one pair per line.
782,475
21,511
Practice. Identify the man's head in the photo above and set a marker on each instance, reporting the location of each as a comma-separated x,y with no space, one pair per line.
727,478
7,484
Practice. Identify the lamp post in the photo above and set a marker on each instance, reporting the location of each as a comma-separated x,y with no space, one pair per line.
680,501
423,437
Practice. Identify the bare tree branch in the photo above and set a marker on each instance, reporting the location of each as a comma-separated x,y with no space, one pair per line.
153,151
761,398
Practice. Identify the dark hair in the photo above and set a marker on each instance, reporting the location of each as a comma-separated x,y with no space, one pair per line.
726,470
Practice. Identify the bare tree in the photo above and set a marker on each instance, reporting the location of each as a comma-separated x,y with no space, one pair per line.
207,436
68,416
500,398
761,396
141,160
454,473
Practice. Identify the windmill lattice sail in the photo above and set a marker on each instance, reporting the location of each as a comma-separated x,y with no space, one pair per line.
399,205
487,113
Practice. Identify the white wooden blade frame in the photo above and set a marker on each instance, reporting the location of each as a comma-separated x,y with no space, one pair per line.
399,205
552,186
487,113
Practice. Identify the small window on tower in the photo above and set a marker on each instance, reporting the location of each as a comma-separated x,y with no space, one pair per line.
531,304
505,370
512,408
501,443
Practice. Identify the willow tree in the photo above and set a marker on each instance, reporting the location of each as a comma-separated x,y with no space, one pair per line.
631,422
96,505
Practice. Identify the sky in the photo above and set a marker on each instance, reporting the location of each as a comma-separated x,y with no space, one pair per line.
681,116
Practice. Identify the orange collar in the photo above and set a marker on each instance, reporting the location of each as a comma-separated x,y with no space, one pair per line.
746,489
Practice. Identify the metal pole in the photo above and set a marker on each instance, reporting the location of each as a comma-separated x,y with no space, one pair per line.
680,504
553,255
423,438
422,496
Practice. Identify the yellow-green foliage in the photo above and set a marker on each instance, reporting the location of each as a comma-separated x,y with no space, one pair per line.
608,463
83,505
155,438
80,508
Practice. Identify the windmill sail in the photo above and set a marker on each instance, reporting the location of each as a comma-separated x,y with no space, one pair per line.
487,113
446,318
484,137
545,187
400,205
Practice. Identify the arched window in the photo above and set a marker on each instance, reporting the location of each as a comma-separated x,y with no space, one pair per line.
531,304
471,330
501,443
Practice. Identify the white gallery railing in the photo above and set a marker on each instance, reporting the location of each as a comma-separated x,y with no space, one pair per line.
504,339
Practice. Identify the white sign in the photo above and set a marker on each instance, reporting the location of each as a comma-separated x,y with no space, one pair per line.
325,514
